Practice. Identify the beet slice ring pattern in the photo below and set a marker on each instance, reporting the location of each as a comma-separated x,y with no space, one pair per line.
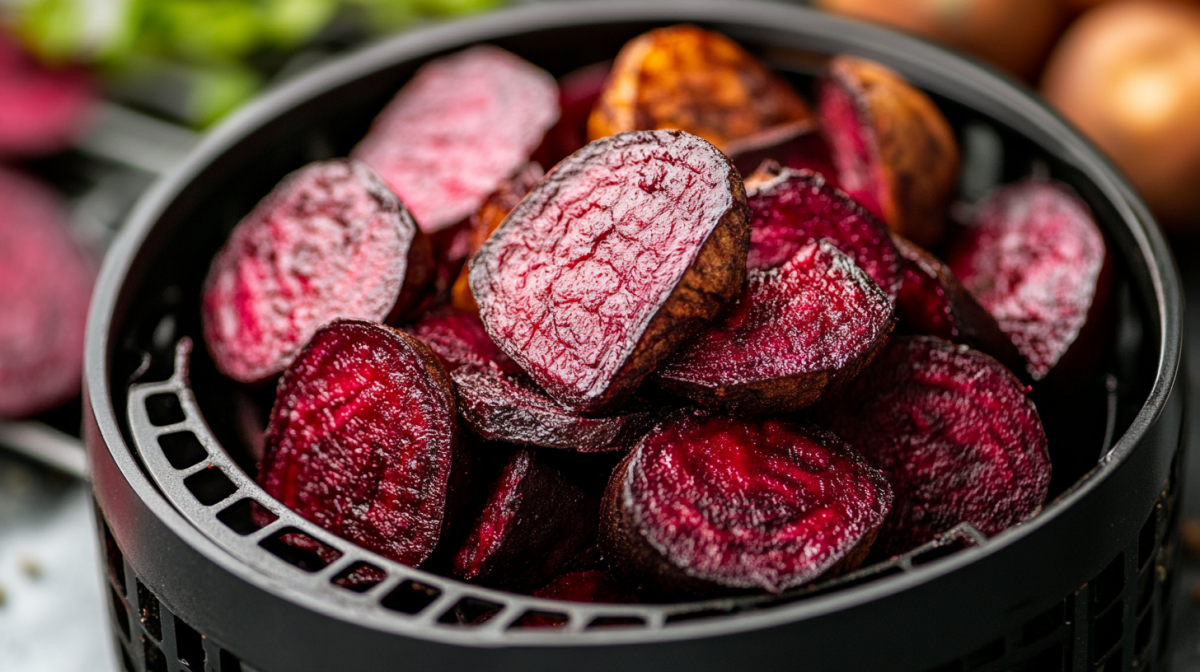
363,440
796,332
623,251
709,505
955,433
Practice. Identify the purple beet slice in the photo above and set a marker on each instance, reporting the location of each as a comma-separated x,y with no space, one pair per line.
534,526
459,339
330,241
463,123
796,332
363,440
796,208
45,285
799,146
708,505
955,433
623,251
589,585
578,92
1037,262
499,406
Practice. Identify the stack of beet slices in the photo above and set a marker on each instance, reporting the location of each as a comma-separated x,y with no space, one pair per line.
655,380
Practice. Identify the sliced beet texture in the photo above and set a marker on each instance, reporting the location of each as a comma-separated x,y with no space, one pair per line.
363,440
799,146
463,123
709,505
955,433
588,585
330,241
534,526
795,333
626,249
1035,259
459,339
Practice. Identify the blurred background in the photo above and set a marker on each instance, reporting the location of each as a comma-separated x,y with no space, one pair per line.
100,97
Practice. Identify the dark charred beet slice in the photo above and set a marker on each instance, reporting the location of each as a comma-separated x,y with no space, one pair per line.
933,302
1037,262
955,433
796,208
623,251
510,408
578,92
706,505
799,146
590,585
795,333
363,440
534,526
894,151
45,284
330,241
458,338
463,123
44,109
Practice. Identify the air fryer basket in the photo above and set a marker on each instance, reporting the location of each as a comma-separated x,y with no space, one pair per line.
196,584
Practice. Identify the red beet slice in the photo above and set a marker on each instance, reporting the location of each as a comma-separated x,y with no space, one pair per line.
510,408
45,284
363,440
955,433
589,585
707,505
795,333
463,123
458,338
621,253
798,146
534,525
932,301
798,207
44,109
578,92
1037,262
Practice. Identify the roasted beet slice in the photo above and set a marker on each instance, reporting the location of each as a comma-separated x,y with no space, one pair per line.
795,208
44,109
458,338
578,92
621,253
706,505
510,408
687,78
330,241
363,440
462,124
955,433
589,585
1037,262
799,146
933,302
534,525
894,151
45,284
795,333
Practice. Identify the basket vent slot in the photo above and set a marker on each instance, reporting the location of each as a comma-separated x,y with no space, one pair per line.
116,562
125,659
1145,629
410,597
155,662
148,611
246,516
471,611
535,618
1109,583
1044,624
120,613
985,654
1107,631
210,486
699,614
189,646
1146,538
163,409
182,449
617,622
360,577
300,550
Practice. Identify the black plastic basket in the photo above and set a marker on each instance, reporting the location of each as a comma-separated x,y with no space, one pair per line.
197,584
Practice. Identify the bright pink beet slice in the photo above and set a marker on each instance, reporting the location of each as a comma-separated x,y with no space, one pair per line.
330,241
363,440
1037,262
44,109
457,336
588,585
955,433
709,505
463,123
45,284
796,332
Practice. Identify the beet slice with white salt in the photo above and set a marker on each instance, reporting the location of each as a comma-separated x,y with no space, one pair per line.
363,440
330,241
954,431
623,251
795,333
708,505
1035,259
463,123
459,339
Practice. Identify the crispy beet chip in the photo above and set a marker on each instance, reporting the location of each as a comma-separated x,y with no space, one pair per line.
44,109
458,338
534,526
954,432
687,78
894,151
578,92
45,284
799,146
589,585
623,251
933,302
330,241
795,333
363,440
1037,262
462,124
510,408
